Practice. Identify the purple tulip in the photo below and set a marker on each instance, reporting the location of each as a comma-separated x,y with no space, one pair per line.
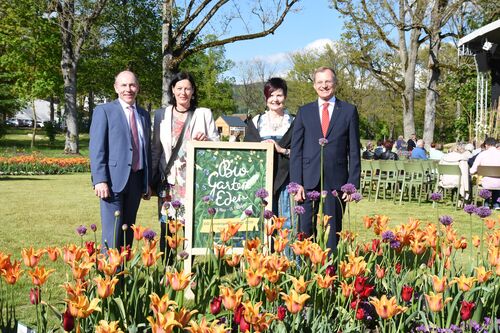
248,212
211,211
81,230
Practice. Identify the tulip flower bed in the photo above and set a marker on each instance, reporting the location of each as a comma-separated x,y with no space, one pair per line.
37,165
406,279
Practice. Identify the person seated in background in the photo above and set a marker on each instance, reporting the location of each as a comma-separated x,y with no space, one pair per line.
456,156
469,148
436,151
378,150
388,154
368,153
489,157
400,143
475,153
412,142
419,153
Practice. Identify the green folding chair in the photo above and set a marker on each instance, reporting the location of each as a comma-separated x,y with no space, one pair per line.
387,179
413,181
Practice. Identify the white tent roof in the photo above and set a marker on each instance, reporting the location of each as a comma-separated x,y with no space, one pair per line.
42,109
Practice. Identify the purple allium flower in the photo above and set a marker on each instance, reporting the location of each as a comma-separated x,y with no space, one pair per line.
93,227
81,230
335,193
388,235
312,195
348,188
436,196
483,211
299,210
176,204
183,255
485,194
357,197
324,194
149,234
211,211
470,209
261,193
323,142
248,212
395,244
293,188
445,220
268,214
206,199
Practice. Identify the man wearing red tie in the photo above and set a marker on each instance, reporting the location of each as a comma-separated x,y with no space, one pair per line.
335,124
120,159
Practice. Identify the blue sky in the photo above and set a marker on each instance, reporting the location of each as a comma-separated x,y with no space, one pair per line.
315,23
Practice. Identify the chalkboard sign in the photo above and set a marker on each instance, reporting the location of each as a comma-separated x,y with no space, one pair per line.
230,173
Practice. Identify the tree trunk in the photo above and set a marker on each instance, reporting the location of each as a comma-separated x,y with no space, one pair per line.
69,75
52,109
91,107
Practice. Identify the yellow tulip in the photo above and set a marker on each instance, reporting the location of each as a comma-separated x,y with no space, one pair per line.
293,301
387,308
106,286
436,302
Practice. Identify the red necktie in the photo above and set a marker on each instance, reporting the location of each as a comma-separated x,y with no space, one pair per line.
135,139
325,119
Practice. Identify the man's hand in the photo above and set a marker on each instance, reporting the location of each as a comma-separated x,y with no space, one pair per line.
198,136
101,190
300,195
346,197
147,195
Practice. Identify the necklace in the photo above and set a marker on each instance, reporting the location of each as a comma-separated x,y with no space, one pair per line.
177,110
276,124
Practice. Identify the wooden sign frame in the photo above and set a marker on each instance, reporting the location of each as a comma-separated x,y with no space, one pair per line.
266,149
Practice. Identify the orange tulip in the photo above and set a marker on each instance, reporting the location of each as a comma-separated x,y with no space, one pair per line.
73,253
368,221
80,307
460,243
494,255
269,228
12,272
31,257
482,274
80,270
490,223
272,275
115,257
271,293
326,219
379,272
439,284
254,277
346,288
436,302
76,289
4,260
230,298
255,259
203,327
279,222
39,275
464,283
106,286
300,247
300,284
53,253
252,244
381,222
326,281
105,267
220,250
293,301
280,244
353,267
316,254
251,312
284,233
418,246
138,231
277,263
234,260
175,241
160,305
476,241
387,308
183,316
105,327
174,226
149,255
164,322
178,280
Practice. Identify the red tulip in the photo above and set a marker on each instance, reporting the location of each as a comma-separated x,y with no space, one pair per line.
375,245
68,321
398,268
244,325
367,291
301,236
238,313
90,247
360,314
128,251
281,312
359,284
466,310
215,305
407,293
354,304
35,296
330,270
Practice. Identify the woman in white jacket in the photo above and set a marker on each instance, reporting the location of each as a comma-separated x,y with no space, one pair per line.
456,156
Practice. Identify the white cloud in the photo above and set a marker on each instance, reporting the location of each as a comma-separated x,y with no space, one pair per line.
317,45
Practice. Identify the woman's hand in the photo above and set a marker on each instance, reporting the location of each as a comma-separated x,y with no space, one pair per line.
199,136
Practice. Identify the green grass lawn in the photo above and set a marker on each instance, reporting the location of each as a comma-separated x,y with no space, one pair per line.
45,210
18,141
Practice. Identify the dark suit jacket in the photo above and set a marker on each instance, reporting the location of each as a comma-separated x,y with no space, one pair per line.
110,146
341,157
281,162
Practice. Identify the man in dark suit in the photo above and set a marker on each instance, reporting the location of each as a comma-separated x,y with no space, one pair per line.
120,159
338,122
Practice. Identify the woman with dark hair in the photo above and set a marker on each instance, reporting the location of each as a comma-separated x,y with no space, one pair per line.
275,125
388,154
182,120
